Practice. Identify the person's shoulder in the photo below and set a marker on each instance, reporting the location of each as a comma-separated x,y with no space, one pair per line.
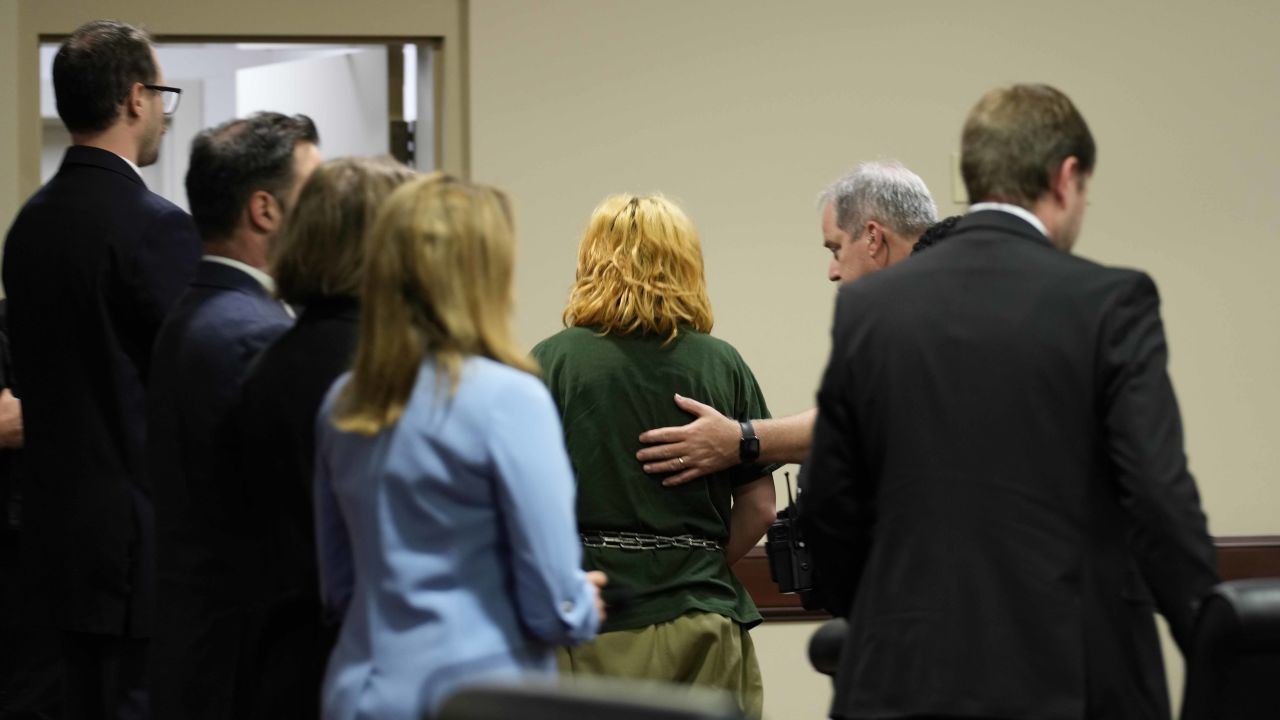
702,352
1112,274
161,220
263,320
110,174
223,317
142,203
499,382
489,394
707,344
247,303
58,203
1086,277
163,207
564,340
119,183
47,195
26,227
1127,287
570,347
108,197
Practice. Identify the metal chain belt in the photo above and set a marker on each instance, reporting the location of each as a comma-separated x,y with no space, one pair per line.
645,541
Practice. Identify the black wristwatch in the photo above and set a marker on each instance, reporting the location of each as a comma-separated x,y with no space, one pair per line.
749,446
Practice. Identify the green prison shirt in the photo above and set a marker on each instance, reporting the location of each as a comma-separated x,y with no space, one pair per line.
611,388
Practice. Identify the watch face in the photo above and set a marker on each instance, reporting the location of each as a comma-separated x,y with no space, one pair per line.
750,448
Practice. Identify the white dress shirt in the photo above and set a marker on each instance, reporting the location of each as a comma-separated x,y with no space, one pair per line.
264,279
1021,212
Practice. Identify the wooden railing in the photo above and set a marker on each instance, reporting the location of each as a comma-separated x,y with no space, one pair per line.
1239,557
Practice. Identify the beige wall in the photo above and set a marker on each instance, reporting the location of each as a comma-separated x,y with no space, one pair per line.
742,111
9,68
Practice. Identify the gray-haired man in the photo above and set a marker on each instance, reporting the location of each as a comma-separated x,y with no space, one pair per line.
871,217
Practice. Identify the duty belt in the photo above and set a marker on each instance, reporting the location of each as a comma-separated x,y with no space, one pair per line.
645,541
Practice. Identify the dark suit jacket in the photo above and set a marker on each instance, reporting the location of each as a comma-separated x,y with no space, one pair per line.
91,265
997,495
206,345
270,449
10,496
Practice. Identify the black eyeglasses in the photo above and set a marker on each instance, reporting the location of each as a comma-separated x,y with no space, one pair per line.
169,95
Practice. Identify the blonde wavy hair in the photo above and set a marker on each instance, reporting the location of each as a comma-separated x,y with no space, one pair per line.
640,269
437,286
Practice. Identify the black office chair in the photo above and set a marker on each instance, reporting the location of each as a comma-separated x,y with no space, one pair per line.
584,698
825,645
1233,666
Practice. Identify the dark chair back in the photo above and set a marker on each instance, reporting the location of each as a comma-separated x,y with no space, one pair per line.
1233,665
581,698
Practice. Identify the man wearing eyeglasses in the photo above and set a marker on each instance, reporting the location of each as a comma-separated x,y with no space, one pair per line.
92,264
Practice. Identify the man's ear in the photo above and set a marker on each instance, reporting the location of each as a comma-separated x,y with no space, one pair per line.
133,102
1066,179
875,238
264,211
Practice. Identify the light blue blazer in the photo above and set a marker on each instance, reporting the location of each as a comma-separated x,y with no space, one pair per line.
447,544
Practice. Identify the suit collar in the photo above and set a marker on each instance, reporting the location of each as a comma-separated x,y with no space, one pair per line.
99,158
225,277
1003,222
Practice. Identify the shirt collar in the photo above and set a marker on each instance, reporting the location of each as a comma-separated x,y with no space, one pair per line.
136,170
1021,212
263,279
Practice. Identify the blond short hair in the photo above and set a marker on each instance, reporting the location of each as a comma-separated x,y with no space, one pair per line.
640,270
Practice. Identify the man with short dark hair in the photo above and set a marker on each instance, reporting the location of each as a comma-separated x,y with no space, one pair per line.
243,178
871,217
91,265
998,497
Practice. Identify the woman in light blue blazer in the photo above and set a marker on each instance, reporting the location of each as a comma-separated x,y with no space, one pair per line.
444,495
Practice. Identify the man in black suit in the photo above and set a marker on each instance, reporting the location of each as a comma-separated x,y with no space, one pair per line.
998,497
243,178
91,265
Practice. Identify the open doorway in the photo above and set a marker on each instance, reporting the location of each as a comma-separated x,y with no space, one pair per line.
366,99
